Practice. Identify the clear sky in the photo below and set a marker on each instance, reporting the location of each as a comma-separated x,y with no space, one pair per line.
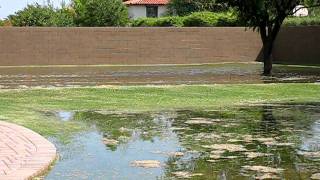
11,6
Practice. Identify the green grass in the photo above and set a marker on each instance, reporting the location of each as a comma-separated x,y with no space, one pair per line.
26,107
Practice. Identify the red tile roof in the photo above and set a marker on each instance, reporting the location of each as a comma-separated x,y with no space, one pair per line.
146,2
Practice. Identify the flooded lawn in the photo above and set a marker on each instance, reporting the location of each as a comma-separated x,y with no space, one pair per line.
257,142
23,77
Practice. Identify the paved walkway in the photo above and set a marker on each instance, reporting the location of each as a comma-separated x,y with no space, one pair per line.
23,153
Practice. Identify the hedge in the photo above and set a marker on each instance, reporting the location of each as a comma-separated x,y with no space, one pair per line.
210,19
158,22
196,19
302,21
207,19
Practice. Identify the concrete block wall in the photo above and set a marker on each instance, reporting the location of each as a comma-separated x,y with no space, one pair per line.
129,46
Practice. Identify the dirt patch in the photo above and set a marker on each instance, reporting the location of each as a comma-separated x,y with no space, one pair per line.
316,176
110,142
227,147
202,121
311,154
264,169
268,176
186,175
146,164
252,155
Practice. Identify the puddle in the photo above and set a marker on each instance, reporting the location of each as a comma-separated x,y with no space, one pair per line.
25,77
244,143
65,115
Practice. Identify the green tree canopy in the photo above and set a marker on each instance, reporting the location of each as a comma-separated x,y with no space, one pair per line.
186,7
315,9
100,13
266,16
38,15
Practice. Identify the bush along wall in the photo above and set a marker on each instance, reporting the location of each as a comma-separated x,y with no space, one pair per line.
302,21
196,19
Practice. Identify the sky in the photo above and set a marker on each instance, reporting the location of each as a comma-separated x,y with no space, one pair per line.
8,7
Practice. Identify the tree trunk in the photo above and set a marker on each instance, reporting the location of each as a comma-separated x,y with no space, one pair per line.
268,35
267,57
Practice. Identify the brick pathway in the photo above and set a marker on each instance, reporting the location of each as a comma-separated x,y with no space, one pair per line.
23,153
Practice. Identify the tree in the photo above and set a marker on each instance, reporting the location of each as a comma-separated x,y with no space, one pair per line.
186,7
314,10
266,16
46,15
33,15
100,13
64,17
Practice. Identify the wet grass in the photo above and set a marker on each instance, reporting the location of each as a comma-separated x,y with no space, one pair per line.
27,107
191,74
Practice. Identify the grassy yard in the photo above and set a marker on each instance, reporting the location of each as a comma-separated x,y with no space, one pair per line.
28,107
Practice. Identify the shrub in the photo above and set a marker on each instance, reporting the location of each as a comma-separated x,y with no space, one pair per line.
196,19
211,19
100,13
201,19
143,22
302,21
186,7
64,17
228,19
158,22
169,21
5,22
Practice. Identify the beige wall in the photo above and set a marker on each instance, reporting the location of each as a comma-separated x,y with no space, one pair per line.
68,46
298,45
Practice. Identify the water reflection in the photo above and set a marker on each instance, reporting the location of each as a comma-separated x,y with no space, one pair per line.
268,121
311,141
244,143
65,115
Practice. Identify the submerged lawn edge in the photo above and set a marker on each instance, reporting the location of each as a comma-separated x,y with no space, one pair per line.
26,106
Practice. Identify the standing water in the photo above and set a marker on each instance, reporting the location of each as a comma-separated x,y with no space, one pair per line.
65,76
264,142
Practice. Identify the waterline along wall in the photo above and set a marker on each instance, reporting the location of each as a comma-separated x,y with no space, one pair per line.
91,46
